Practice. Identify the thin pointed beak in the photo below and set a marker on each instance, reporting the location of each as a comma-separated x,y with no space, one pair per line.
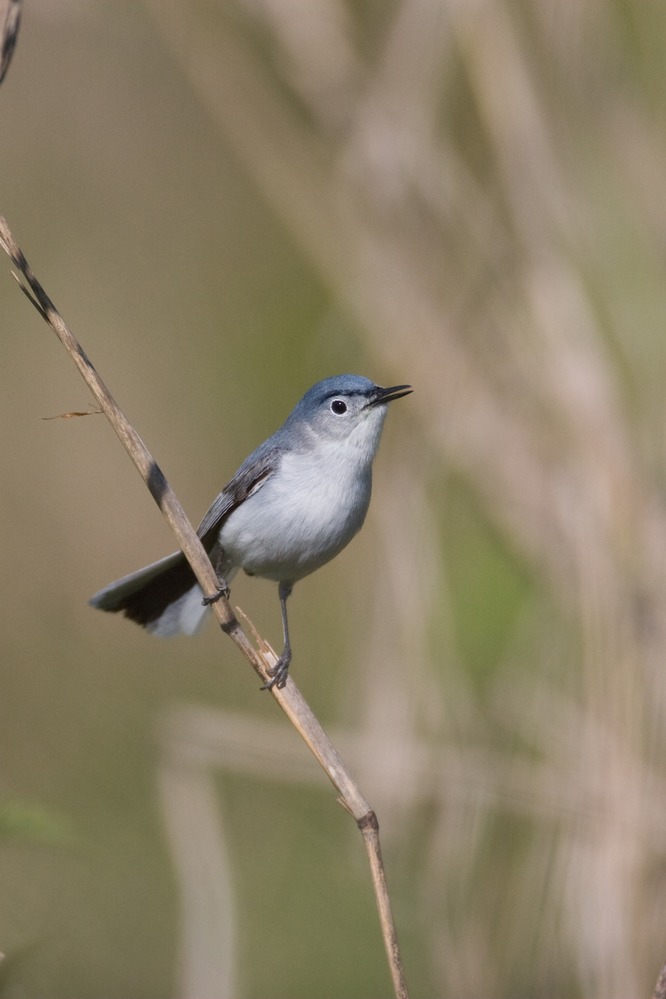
384,395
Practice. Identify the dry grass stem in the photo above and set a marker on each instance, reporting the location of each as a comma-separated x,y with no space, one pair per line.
289,698
9,36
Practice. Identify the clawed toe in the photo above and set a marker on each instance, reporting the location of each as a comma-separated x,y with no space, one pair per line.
278,676
223,591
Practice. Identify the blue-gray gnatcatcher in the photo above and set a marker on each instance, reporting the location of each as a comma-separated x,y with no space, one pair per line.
292,506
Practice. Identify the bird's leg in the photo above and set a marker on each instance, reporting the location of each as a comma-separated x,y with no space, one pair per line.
222,588
278,673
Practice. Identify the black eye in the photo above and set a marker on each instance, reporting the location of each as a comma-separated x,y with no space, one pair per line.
338,407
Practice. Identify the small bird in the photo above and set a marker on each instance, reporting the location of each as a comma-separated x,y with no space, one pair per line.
292,506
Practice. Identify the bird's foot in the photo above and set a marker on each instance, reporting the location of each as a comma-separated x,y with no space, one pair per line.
222,591
278,674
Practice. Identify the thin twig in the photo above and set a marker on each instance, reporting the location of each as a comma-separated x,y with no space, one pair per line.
9,35
660,987
289,698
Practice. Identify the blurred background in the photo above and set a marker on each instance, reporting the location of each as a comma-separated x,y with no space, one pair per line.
228,201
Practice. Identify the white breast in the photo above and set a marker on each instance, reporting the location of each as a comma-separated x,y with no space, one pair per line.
304,514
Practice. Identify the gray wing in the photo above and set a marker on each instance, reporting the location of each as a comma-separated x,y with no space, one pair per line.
252,475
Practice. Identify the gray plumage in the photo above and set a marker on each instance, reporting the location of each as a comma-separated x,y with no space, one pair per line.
292,506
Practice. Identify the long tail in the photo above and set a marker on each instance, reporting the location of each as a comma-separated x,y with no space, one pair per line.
164,597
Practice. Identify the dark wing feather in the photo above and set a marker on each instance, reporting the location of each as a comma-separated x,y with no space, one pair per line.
251,475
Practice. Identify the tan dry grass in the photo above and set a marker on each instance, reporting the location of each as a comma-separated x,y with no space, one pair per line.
433,163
